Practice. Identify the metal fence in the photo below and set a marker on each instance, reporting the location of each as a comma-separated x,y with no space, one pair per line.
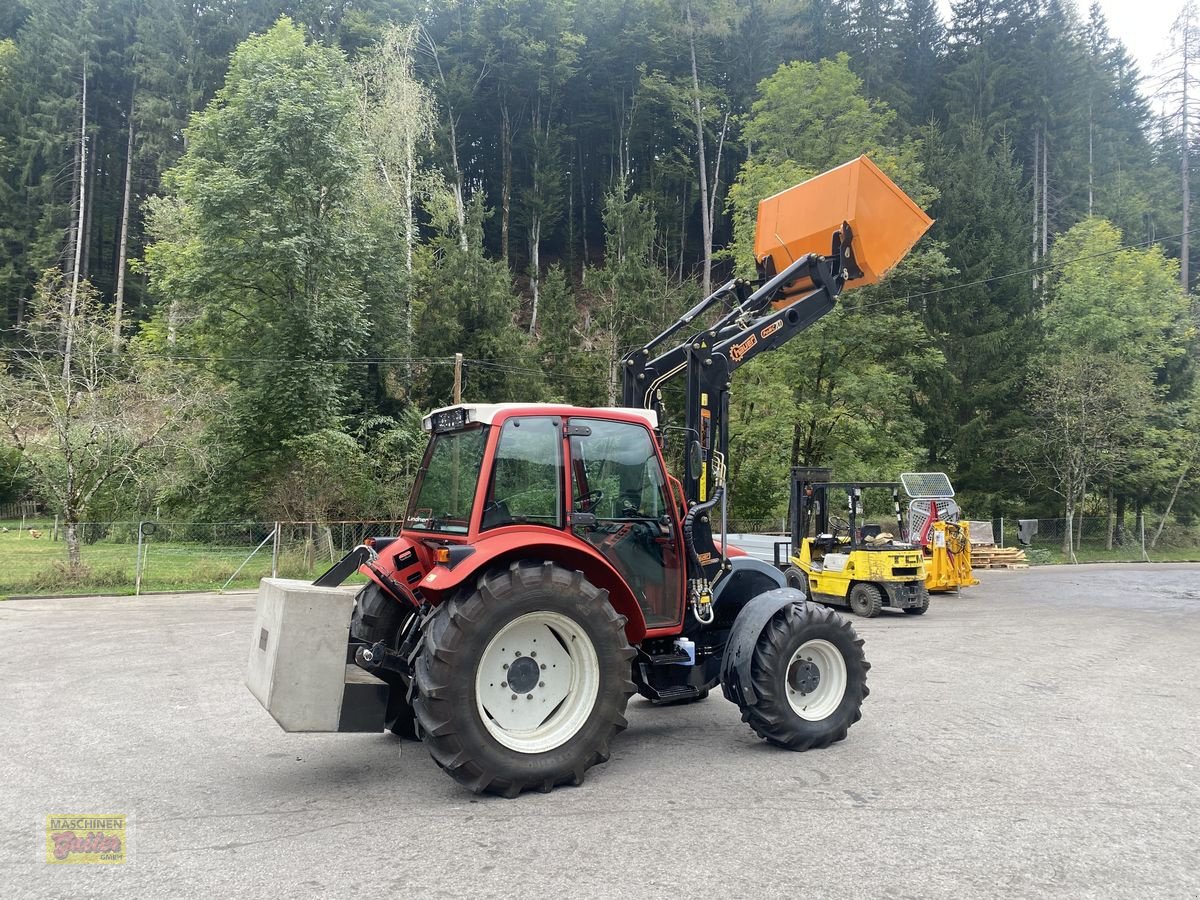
136,557
132,557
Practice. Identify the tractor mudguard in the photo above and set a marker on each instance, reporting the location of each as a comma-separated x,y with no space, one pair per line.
748,578
736,683
504,548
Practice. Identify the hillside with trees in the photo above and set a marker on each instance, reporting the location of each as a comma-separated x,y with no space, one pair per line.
242,242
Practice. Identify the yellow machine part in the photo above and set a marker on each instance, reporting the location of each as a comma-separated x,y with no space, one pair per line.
884,220
876,566
948,557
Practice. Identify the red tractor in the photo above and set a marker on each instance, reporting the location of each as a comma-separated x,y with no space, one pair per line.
550,566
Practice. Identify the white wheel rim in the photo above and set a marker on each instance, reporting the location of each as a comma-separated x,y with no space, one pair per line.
816,702
537,682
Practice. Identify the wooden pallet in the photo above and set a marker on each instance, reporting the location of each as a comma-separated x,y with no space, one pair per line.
986,556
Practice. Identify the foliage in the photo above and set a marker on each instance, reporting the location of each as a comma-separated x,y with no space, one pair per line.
98,420
262,249
325,209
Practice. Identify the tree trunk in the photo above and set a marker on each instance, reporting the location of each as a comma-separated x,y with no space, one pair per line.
410,163
1091,159
123,247
85,267
702,165
1119,536
1045,195
79,229
505,178
71,536
583,223
1174,495
1185,152
1068,544
1108,515
1082,507
535,241
1037,162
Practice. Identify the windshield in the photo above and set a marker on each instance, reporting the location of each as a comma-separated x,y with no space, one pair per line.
445,490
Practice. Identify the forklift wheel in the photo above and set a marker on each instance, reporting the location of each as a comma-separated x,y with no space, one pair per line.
810,678
866,600
919,610
795,578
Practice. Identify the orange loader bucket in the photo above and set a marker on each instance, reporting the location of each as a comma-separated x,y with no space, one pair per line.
884,220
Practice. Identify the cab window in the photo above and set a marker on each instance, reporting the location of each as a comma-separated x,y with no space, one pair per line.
526,486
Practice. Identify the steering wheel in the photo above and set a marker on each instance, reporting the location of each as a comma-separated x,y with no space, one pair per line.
838,524
588,501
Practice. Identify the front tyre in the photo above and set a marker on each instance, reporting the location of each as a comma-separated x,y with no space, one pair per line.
523,683
810,675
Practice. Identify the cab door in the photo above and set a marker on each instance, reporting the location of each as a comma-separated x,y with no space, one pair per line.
621,505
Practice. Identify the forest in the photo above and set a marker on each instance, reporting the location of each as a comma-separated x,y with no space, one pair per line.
242,241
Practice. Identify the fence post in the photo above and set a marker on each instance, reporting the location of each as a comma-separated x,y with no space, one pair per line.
54,533
1002,532
137,578
1142,530
275,553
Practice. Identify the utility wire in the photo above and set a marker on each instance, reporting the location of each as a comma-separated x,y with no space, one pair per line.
449,361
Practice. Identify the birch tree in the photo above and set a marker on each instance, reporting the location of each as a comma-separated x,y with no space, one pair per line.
398,120
1083,408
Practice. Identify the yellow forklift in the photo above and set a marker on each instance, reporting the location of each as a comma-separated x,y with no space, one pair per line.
836,556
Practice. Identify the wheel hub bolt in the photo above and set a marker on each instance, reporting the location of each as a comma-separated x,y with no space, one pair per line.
529,696
504,684
514,696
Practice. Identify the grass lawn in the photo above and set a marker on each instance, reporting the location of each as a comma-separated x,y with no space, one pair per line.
39,566
1053,555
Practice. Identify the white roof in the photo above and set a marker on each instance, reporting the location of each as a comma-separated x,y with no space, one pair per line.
487,412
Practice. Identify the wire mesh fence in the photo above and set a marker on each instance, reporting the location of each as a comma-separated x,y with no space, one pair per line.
129,557
137,557
1105,538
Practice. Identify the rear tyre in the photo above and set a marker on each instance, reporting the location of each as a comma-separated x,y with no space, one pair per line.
866,600
523,683
922,607
810,675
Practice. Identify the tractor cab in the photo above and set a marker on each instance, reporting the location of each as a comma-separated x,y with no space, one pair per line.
586,486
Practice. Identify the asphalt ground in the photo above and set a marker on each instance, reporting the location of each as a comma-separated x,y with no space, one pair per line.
1035,736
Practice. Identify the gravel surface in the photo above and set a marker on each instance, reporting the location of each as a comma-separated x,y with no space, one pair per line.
1035,736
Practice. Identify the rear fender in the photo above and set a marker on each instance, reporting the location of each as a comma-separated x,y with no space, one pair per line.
748,578
501,550
736,682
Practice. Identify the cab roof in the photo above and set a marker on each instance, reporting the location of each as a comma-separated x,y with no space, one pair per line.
487,413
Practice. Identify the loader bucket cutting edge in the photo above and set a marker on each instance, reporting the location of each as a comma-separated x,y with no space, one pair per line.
885,221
